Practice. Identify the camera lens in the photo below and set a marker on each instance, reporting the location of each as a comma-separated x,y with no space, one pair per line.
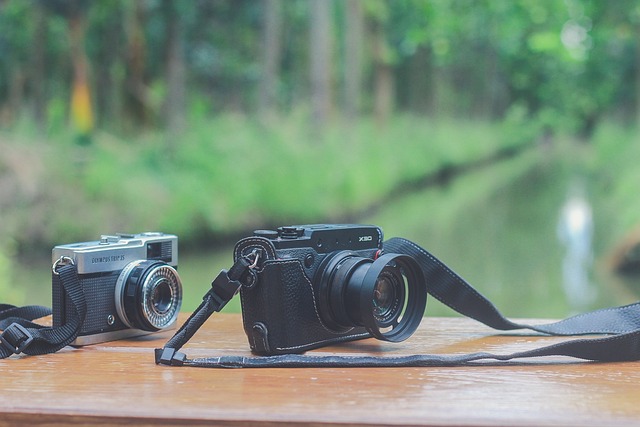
387,295
161,297
148,295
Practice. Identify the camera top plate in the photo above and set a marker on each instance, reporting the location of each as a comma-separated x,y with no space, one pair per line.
114,252
325,238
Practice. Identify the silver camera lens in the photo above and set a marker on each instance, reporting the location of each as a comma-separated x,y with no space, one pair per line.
148,295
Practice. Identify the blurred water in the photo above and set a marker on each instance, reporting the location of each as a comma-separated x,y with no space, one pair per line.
524,232
575,232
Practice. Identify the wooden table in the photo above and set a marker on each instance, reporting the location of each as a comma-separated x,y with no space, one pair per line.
118,383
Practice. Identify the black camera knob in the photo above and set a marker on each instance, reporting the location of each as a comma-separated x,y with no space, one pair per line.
290,232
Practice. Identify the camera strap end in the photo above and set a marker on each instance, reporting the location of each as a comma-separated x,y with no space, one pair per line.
228,282
169,356
223,289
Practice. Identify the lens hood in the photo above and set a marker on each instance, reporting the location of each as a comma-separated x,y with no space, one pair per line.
410,300
387,295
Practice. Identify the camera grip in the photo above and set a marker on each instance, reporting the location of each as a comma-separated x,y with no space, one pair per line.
284,307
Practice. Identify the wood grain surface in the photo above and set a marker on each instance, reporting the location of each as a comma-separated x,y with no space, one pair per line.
117,383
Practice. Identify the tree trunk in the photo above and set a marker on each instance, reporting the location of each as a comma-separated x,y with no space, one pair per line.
320,61
271,58
38,66
81,110
135,91
354,35
637,74
16,92
384,86
420,81
109,61
174,105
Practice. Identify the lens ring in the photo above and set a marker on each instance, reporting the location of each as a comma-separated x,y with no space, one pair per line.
334,275
402,323
161,296
120,292
148,295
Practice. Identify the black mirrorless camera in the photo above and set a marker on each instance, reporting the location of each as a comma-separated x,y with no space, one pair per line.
322,284
130,285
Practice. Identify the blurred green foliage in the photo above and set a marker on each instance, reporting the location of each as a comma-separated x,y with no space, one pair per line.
185,142
233,173
566,63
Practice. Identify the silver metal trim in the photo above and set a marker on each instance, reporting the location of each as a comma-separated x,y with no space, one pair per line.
114,336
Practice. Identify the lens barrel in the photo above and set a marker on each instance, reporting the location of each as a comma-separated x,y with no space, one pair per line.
148,295
387,295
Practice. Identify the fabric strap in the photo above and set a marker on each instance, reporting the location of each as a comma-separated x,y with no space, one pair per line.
621,324
22,335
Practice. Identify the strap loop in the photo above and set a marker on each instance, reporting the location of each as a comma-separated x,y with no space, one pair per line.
24,336
60,262
16,338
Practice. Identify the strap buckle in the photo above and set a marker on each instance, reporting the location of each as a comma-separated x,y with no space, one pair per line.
222,290
16,338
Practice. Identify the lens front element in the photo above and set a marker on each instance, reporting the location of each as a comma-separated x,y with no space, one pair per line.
388,295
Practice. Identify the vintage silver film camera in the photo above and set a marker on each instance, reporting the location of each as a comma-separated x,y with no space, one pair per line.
130,284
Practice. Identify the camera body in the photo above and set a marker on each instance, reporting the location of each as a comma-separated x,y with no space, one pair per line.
129,282
284,311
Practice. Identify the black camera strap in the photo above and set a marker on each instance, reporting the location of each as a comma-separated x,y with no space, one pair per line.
22,335
621,324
